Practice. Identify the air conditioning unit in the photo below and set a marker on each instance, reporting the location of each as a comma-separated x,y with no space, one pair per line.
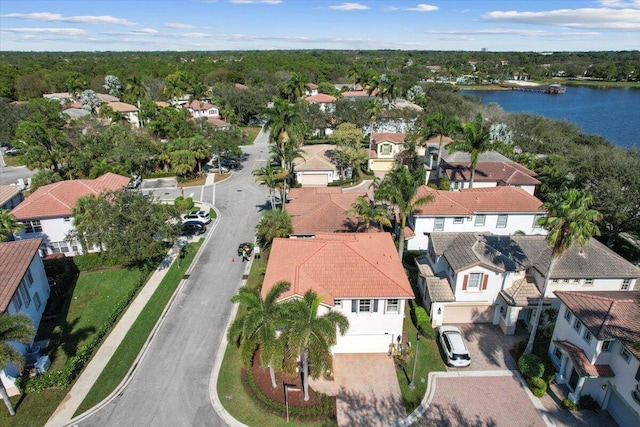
43,364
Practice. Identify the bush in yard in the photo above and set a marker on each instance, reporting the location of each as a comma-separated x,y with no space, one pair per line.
569,405
183,204
537,386
530,365
423,323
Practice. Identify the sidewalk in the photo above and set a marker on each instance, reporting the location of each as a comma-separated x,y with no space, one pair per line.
64,413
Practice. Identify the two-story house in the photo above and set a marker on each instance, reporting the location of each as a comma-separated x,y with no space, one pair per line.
47,214
327,103
24,289
130,112
202,109
496,210
480,278
359,275
594,348
385,146
10,196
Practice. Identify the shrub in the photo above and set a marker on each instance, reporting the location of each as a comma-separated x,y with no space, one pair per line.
94,260
587,401
183,204
569,405
537,386
423,322
530,366
445,184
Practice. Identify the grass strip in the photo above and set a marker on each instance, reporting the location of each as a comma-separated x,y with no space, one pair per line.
125,355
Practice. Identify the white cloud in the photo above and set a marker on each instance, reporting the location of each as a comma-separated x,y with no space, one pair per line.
587,18
178,25
56,17
621,3
390,8
192,35
62,31
349,6
512,32
145,31
256,1
423,8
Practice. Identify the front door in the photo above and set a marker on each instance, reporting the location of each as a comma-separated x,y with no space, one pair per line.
573,380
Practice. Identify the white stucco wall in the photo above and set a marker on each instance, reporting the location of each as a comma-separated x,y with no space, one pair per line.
580,285
489,295
53,230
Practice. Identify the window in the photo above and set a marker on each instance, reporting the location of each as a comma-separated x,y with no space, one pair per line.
567,314
625,354
438,224
456,185
32,226
577,325
474,281
587,335
557,353
17,301
24,293
565,281
502,221
364,306
37,302
536,221
385,149
458,220
66,219
28,279
637,377
626,284
480,220
588,282
606,345
337,303
393,306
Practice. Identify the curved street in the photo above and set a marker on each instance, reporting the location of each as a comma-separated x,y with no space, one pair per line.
170,386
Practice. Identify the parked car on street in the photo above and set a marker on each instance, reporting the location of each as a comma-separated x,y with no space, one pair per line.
202,217
193,228
453,346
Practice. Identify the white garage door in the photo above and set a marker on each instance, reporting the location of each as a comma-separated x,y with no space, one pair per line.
468,314
362,344
624,416
315,180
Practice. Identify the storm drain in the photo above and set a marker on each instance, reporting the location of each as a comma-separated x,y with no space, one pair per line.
186,276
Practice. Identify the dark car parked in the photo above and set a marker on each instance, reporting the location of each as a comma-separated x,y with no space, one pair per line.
193,228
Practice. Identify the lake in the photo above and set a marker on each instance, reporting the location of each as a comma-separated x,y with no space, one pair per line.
613,113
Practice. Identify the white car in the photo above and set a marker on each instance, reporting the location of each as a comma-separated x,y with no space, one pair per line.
199,216
454,347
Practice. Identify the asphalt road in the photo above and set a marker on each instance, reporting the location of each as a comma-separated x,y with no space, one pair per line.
170,386
11,174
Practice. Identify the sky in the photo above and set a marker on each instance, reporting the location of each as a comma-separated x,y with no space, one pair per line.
184,25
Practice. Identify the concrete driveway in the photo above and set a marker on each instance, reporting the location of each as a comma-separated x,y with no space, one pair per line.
366,389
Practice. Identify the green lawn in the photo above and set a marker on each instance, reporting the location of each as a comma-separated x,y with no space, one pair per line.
128,350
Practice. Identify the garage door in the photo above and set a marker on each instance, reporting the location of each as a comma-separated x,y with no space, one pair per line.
315,180
624,416
468,314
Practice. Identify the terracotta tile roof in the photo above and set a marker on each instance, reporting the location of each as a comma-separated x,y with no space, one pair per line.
341,265
321,98
477,200
218,122
315,157
409,233
581,363
607,314
15,258
123,107
321,209
435,140
8,192
355,94
395,137
504,172
196,105
162,104
58,199
312,86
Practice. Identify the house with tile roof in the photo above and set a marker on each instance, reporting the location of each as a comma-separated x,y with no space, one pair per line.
385,146
47,214
496,210
315,168
311,89
594,349
10,196
204,109
327,103
493,170
358,274
130,112
24,289
483,278
322,210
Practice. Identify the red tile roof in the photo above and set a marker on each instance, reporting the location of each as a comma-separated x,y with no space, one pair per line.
506,172
15,259
477,200
312,86
395,137
218,122
355,93
196,105
340,265
435,140
58,199
581,362
320,209
321,98
122,107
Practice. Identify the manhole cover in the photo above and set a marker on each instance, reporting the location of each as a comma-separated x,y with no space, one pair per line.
245,276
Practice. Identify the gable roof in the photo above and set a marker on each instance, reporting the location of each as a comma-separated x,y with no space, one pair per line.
8,192
122,107
196,105
58,199
510,173
395,137
356,94
340,265
607,314
321,98
477,200
15,259
320,209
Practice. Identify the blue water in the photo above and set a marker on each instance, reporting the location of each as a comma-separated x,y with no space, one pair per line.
613,114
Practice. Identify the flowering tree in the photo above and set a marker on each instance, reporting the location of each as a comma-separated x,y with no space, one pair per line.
112,85
89,100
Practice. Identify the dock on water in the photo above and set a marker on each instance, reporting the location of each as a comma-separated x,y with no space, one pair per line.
554,89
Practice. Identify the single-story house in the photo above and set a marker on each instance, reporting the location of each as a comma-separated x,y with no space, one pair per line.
358,274
594,348
47,214
24,289
315,168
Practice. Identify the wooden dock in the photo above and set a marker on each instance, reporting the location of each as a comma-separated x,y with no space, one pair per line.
550,89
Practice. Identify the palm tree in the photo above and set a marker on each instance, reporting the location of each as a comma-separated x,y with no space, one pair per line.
287,154
373,109
268,176
400,189
258,325
275,223
136,89
309,337
369,211
569,221
285,123
295,87
475,140
8,225
441,124
16,328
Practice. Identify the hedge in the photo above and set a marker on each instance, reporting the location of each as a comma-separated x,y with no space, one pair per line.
530,366
422,321
537,386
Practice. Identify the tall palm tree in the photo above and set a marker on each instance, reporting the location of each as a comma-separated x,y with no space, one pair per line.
285,124
274,223
373,109
295,87
399,188
442,125
475,139
16,328
309,337
8,225
258,325
268,176
569,221
136,89
369,211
